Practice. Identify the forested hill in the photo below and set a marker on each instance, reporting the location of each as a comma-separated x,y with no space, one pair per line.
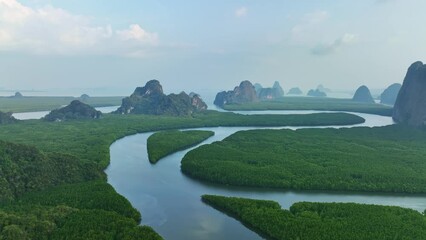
24,168
31,207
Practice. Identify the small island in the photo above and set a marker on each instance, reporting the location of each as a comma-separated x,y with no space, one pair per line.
151,99
390,94
244,93
248,97
161,144
270,93
75,110
18,95
363,95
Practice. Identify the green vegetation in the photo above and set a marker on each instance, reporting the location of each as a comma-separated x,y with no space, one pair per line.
90,195
75,110
24,169
62,222
327,221
99,224
161,144
90,210
32,104
313,103
213,118
77,152
385,159
90,140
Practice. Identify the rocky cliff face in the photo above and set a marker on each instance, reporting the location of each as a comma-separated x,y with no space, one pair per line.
75,110
151,99
269,93
197,102
410,105
243,93
6,118
278,88
363,94
390,94
257,87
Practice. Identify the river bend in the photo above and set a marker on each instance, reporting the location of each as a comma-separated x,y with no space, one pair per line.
170,202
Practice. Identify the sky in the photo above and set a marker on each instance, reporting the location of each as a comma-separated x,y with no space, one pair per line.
99,47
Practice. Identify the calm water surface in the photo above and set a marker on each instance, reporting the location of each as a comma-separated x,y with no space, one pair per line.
170,202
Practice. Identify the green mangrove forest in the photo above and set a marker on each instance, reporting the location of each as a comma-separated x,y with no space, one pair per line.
161,144
312,103
53,185
323,221
380,159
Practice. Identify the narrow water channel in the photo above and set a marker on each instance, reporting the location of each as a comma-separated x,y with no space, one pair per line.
170,202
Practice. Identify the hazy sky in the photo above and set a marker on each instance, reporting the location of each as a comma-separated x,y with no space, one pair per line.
112,46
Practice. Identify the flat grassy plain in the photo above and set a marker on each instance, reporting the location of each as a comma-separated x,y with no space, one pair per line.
313,103
33,104
49,209
323,221
161,144
381,159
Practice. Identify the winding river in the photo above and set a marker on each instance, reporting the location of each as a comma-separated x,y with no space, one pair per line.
170,202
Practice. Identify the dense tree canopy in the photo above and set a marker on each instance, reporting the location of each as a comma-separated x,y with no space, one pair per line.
25,169
383,159
323,221
49,154
161,144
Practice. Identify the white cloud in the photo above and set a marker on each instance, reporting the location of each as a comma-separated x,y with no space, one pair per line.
13,12
241,12
136,33
5,36
325,49
50,30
